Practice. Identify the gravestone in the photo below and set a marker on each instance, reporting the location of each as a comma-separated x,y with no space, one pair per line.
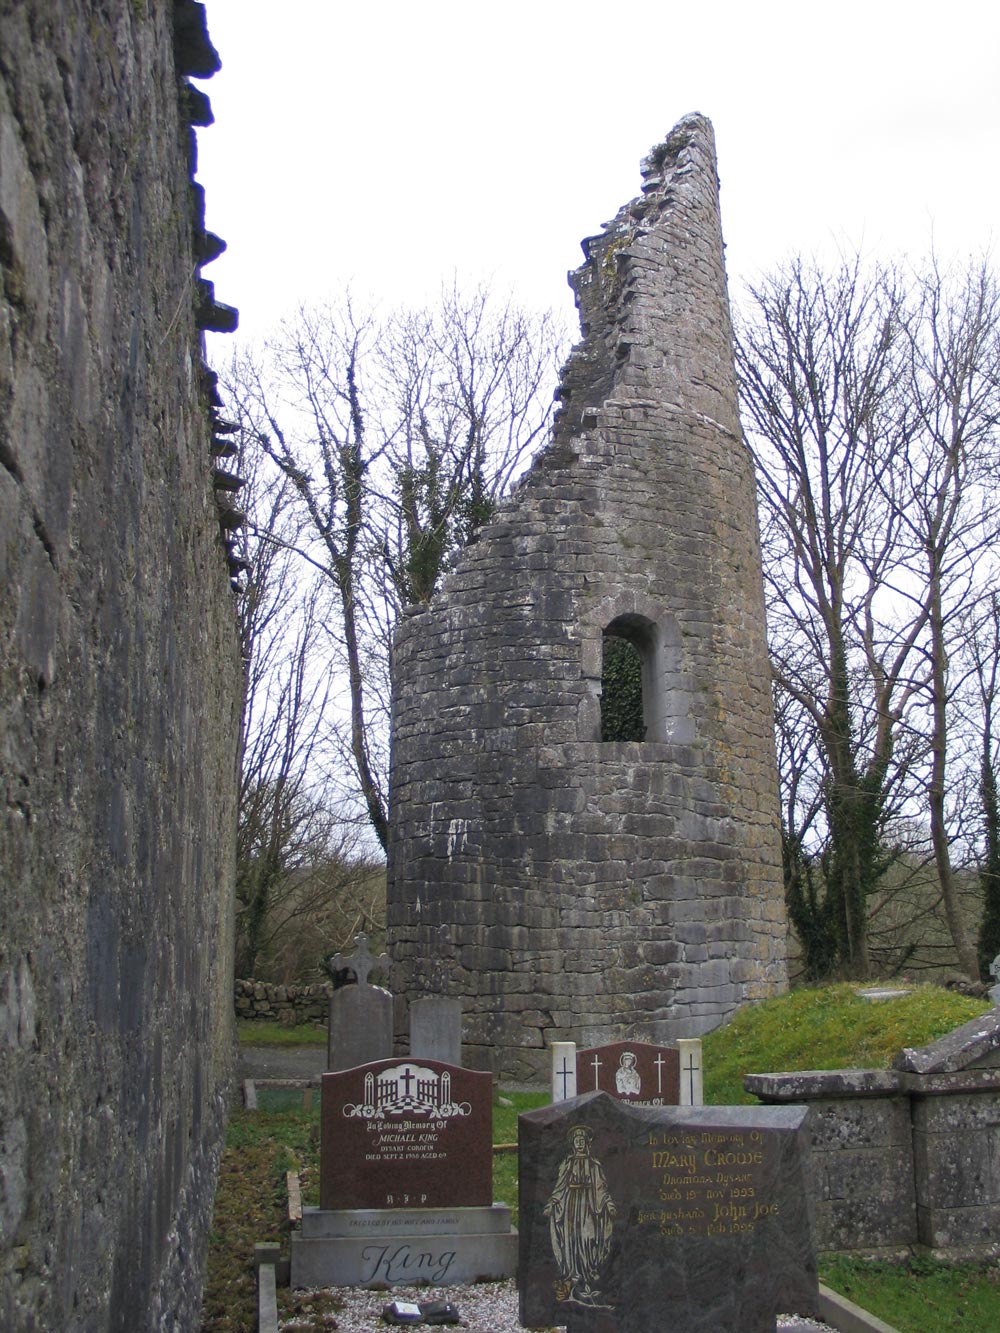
403,1133
360,1028
406,1180
631,1071
563,1070
436,1029
689,1054
640,1219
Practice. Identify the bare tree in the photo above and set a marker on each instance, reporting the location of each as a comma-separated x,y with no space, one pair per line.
982,652
870,399
398,436
945,494
819,362
295,850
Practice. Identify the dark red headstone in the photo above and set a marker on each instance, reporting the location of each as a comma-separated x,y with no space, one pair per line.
407,1134
630,1071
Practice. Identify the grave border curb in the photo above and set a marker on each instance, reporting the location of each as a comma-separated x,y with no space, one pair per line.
847,1317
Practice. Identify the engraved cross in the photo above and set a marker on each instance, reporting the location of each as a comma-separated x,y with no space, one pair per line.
659,1062
563,1074
596,1066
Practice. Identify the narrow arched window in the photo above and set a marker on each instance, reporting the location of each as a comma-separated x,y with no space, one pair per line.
625,679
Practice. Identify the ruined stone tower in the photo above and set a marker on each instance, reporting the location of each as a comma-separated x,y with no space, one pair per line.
566,887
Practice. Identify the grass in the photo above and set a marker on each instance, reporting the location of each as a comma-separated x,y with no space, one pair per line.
825,1027
251,1206
276,1034
920,1295
505,1131
819,1028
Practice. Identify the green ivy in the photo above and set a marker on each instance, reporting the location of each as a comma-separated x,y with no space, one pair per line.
621,692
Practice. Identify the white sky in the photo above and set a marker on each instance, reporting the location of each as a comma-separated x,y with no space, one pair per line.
392,144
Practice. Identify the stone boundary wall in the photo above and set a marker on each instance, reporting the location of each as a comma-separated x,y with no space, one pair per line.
905,1156
265,1002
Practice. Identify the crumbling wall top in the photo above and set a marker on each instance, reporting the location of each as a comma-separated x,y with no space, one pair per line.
651,294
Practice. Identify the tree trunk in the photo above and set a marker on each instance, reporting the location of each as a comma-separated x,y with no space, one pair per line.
968,960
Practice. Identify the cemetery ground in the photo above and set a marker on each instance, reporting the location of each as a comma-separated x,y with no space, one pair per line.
816,1028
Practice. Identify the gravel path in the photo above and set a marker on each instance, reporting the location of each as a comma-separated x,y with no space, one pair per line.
487,1307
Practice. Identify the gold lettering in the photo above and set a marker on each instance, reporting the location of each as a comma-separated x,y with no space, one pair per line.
686,1161
713,1157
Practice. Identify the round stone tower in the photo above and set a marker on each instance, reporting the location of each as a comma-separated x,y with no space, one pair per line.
565,886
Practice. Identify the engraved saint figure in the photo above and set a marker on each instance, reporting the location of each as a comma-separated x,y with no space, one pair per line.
627,1079
580,1211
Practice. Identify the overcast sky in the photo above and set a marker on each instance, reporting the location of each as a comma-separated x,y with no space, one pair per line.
391,144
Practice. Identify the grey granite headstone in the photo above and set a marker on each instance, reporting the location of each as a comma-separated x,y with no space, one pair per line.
436,1029
360,1028
640,1219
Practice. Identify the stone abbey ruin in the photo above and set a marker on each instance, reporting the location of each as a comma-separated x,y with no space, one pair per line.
566,887
120,676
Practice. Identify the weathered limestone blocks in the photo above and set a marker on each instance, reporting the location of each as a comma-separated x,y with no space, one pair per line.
119,681
588,889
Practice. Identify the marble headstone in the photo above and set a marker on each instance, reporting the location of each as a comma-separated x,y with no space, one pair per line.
640,1219
563,1070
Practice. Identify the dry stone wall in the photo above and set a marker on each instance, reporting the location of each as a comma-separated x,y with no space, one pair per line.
568,887
119,675
267,1002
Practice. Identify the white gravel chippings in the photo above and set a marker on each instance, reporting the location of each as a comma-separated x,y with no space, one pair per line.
485,1307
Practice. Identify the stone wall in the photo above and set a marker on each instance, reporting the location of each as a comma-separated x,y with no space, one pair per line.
565,887
120,677
905,1156
265,1002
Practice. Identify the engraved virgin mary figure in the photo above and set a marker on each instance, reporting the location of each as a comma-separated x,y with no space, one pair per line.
627,1079
580,1211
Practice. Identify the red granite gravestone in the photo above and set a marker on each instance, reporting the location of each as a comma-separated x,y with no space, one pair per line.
630,1071
406,1134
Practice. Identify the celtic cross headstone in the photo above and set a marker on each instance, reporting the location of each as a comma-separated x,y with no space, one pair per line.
360,1014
